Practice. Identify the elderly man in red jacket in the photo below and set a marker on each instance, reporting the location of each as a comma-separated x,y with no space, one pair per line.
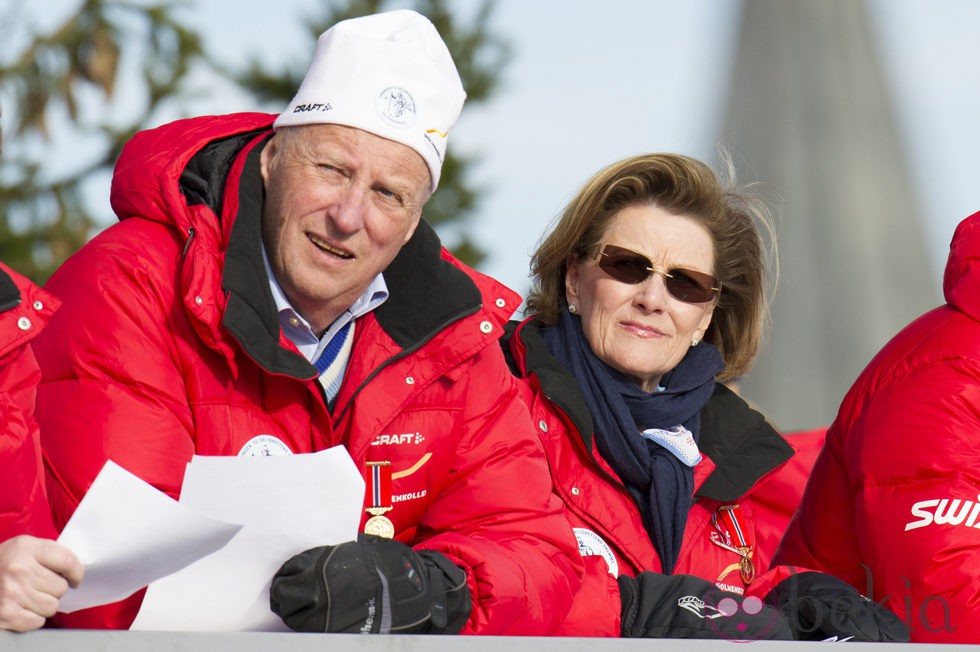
271,289
34,571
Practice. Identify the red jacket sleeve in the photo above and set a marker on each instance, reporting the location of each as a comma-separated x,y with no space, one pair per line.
893,506
112,387
23,504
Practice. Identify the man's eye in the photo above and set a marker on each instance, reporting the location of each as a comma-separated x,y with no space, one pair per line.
385,192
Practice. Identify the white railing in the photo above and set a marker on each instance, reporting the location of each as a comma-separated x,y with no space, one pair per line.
105,641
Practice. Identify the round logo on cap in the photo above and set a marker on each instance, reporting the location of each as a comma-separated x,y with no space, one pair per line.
264,446
590,543
396,106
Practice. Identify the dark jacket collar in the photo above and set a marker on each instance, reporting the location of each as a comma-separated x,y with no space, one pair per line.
557,383
741,443
9,293
738,439
426,292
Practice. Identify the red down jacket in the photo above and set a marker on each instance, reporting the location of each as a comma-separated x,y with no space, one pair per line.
778,495
24,309
168,345
892,505
739,449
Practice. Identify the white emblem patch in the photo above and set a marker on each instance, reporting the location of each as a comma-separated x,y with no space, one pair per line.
396,106
590,543
699,608
264,446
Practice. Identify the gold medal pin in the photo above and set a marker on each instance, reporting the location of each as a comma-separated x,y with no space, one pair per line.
379,524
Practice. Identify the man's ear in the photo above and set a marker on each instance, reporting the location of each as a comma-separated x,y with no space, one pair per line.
265,158
411,229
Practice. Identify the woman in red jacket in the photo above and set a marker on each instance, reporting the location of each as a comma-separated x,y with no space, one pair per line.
649,291
34,571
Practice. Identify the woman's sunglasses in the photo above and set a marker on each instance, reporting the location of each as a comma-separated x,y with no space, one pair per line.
631,267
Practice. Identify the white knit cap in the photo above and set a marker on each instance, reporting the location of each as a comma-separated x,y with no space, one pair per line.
390,74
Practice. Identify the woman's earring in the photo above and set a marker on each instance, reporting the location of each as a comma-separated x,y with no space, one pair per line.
572,309
695,342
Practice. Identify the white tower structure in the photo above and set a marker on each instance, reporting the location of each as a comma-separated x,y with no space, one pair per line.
810,118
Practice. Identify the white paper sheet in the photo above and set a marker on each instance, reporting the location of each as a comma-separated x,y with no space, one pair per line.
288,504
127,534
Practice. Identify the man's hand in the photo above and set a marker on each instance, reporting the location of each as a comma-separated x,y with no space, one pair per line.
34,574
372,586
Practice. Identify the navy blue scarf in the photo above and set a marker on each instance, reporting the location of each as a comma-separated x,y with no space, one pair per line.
661,485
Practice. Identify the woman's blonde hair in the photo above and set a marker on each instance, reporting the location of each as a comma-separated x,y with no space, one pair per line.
735,218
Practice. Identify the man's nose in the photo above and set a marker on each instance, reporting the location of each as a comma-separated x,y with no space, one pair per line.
347,212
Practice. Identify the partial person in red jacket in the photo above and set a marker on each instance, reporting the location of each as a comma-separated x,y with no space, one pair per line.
893,503
777,496
271,289
34,571
649,291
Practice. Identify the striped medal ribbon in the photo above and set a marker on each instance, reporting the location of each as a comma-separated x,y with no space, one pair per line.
739,540
380,500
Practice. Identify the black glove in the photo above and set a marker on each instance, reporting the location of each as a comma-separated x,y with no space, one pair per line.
820,606
372,586
687,606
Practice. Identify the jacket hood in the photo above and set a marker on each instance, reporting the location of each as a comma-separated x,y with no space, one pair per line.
961,282
147,180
